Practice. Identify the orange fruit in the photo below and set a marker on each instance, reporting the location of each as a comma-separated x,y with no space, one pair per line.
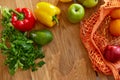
65,0
115,27
115,14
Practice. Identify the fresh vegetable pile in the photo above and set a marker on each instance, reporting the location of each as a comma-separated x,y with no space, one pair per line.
20,52
21,45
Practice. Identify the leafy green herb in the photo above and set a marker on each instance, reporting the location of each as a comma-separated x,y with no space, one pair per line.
19,50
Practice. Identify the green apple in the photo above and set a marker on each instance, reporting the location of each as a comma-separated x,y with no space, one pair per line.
75,13
88,3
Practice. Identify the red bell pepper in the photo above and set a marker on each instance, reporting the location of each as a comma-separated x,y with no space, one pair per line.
23,19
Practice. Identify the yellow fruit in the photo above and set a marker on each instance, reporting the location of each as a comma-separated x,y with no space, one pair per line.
115,27
115,14
65,0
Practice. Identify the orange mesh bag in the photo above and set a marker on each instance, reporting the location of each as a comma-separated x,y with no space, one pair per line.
95,37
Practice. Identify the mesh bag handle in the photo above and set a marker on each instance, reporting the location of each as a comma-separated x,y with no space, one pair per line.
95,43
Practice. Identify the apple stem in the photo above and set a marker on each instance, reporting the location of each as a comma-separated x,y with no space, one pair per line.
74,1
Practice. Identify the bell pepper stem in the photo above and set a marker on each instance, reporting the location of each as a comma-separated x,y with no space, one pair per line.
20,16
55,19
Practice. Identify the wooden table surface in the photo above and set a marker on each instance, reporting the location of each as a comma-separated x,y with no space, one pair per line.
66,58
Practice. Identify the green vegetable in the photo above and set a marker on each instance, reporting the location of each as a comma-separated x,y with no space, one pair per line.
42,37
20,51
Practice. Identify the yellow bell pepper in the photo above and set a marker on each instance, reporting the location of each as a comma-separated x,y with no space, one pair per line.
47,13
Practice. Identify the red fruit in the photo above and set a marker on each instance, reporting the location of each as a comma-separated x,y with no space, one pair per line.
112,53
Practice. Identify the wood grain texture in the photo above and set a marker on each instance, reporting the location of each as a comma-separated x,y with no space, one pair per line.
66,58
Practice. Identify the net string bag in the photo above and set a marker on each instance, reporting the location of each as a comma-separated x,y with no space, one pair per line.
95,36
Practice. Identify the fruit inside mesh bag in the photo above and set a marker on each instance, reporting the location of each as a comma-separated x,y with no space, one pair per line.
96,36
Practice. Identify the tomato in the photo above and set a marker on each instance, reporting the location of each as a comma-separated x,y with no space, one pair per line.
115,27
115,14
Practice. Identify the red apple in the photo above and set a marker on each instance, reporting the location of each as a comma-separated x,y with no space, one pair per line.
112,53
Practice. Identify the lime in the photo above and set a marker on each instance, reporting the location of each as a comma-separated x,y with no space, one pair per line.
42,37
